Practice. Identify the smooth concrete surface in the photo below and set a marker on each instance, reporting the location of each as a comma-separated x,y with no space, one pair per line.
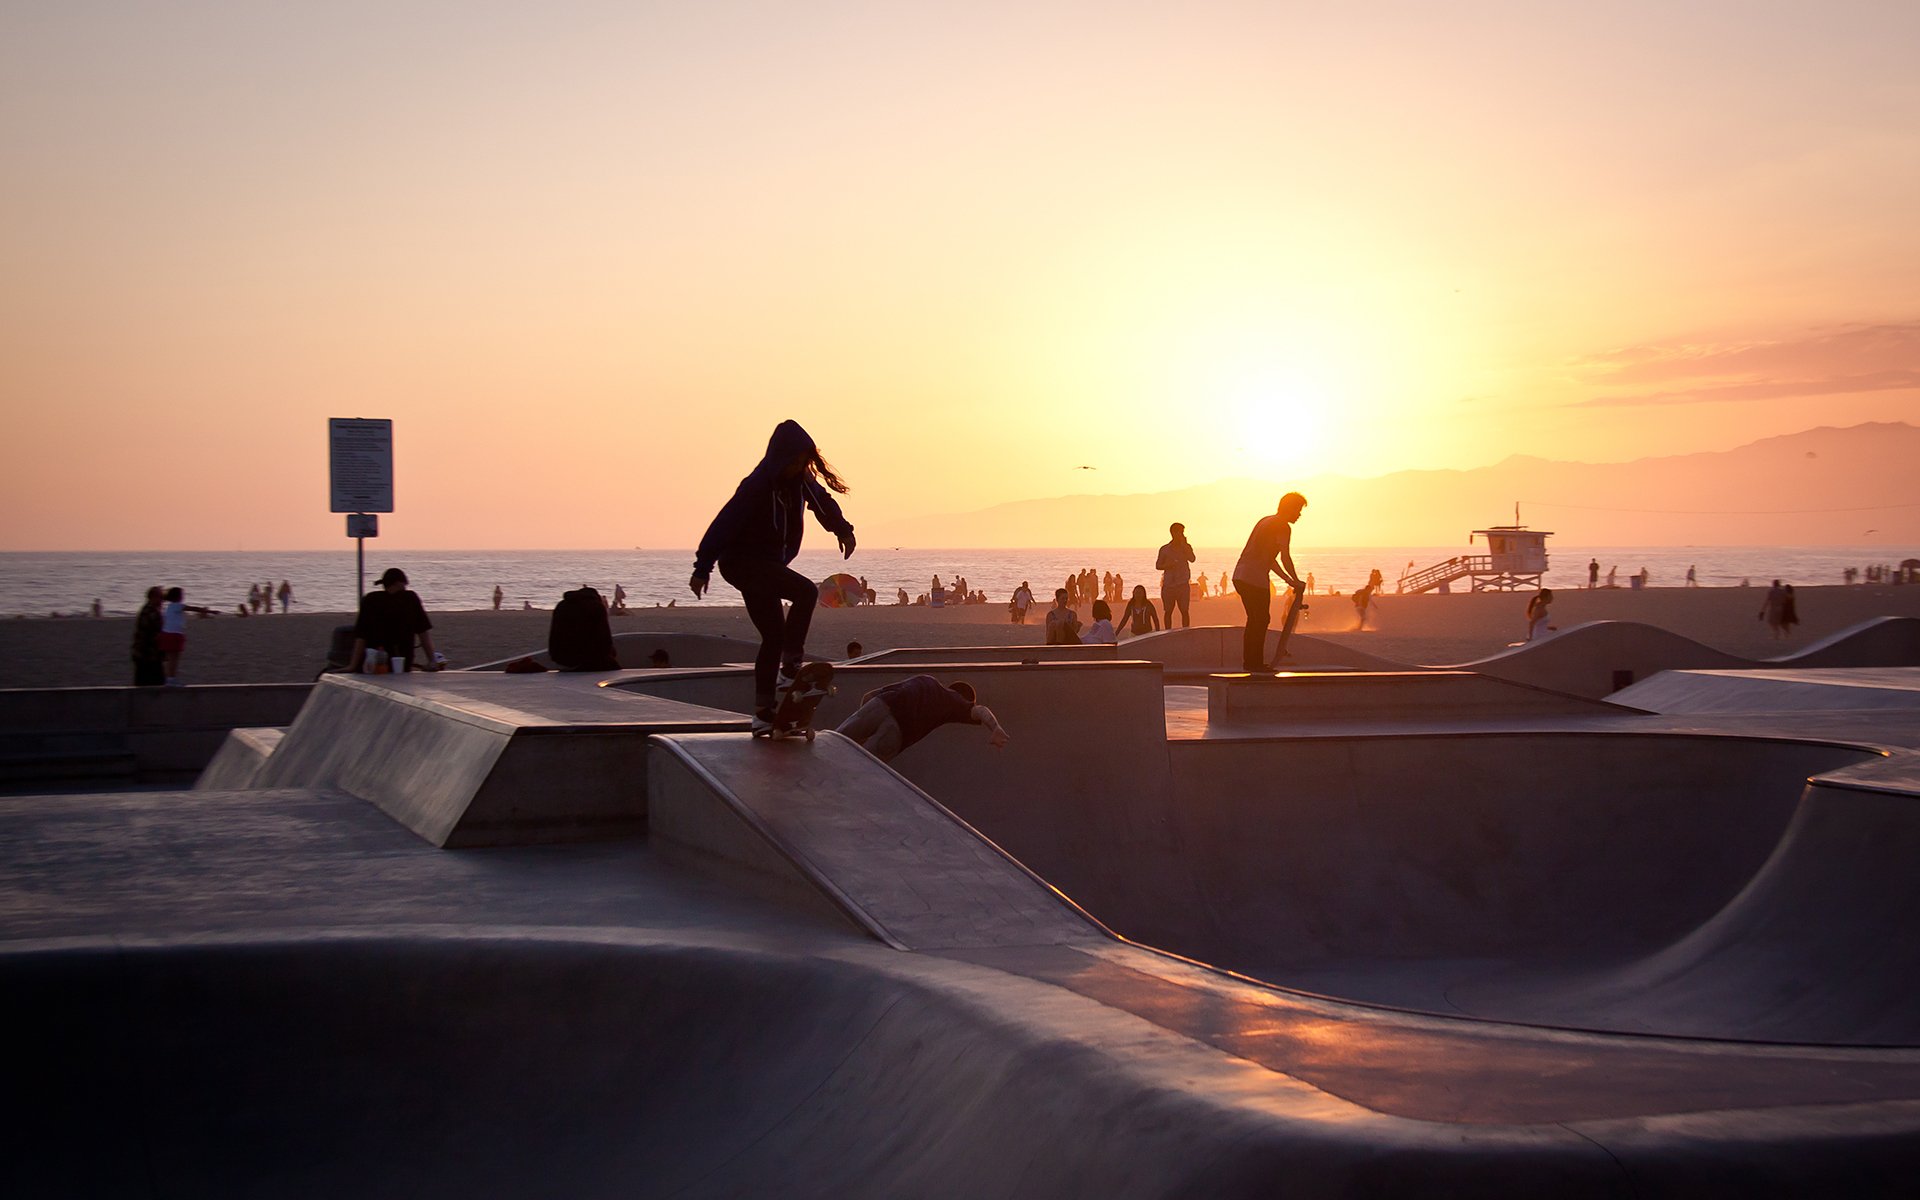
831,816
635,651
1778,690
1099,652
121,735
286,993
484,759
240,760
1306,696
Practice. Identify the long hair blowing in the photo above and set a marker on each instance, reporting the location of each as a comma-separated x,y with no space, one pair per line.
821,469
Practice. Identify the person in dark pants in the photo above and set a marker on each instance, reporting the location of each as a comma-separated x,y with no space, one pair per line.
753,538
1269,550
149,664
893,717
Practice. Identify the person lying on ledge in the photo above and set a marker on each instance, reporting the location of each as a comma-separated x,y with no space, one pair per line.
893,717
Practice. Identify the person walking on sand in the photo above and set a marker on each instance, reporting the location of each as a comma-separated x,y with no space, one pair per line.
1693,578
1139,616
1362,602
1593,573
1063,624
286,597
754,537
1022,601
390,619
1176,584
1773,610
498,596
1537,611
1269,550
149,661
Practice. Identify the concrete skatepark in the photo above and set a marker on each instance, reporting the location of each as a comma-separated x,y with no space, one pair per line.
1359,930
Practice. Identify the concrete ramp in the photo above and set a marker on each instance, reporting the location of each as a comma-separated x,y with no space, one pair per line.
482,759
1777,691
829,817
1881,642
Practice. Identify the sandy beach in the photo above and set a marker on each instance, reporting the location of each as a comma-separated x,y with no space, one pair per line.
1430,629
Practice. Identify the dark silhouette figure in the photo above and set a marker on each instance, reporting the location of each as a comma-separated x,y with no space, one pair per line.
1138,616
149,664
894,717
1176,585
1269,550
389,621
753,538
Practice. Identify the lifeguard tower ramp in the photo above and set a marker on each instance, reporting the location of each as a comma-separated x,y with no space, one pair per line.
1516,558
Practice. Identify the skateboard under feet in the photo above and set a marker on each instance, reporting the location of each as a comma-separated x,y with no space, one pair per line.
793,712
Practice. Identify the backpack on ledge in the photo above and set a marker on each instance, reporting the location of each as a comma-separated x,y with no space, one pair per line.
580,638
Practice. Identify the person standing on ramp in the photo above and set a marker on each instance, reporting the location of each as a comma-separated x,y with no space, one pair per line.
1269,550
753,538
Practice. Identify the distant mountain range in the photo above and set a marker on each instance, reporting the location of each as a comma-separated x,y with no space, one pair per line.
1825,486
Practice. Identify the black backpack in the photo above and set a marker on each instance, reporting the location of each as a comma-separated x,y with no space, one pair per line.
580,639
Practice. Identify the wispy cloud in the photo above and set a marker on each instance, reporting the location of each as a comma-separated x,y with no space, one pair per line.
1836,360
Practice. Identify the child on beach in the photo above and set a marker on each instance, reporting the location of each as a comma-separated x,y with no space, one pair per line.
173,632
753,538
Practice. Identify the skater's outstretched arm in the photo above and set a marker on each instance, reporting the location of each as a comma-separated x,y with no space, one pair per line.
997,734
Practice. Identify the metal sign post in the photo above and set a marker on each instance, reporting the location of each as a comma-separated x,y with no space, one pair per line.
360,470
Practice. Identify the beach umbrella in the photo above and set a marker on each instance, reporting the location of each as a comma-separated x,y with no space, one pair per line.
841,591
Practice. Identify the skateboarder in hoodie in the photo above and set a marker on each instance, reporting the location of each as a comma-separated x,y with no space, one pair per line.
753,538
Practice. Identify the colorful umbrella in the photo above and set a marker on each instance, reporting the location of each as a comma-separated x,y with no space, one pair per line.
841,591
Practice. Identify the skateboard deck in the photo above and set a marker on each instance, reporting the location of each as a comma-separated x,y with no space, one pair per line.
1294,609
793,715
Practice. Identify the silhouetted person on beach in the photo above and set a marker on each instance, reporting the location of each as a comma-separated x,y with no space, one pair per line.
1269,550
1593,574
1777,610
894,717
286,597
1139,616
1537,611
391,618
1022,601
753,538
149,662
1362,601
498,596
1063,624
1176,583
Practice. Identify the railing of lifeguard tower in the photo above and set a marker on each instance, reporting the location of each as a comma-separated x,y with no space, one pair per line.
1427,578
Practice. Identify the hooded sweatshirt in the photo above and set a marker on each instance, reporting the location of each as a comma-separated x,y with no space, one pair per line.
764,518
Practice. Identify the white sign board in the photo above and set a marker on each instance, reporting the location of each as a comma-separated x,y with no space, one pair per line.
360,464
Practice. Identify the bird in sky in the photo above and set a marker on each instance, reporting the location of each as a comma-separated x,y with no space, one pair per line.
1086,468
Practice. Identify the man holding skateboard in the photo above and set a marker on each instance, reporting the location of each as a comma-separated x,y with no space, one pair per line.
1269,551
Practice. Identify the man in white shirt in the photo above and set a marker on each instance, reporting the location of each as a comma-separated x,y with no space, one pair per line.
1269,550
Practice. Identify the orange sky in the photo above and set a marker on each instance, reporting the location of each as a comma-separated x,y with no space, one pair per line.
585,254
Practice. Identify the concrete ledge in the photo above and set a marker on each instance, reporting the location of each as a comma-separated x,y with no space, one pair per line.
112,735
1382,695
484,759
239,760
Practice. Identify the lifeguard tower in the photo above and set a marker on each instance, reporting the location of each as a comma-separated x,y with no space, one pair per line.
1516,558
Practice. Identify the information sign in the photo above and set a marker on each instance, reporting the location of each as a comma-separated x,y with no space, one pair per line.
360,464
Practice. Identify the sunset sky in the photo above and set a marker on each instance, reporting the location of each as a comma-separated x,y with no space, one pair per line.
585,255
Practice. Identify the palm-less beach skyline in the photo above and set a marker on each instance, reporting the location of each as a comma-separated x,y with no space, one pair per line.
586,255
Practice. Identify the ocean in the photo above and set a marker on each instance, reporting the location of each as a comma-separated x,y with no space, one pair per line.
36,584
